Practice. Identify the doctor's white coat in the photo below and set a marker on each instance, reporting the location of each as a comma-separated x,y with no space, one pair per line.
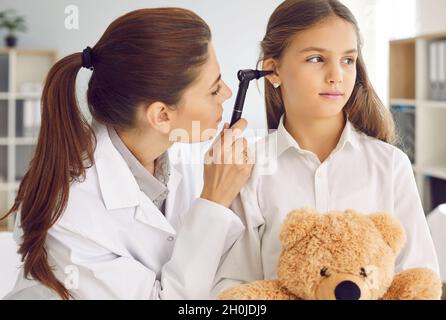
112,242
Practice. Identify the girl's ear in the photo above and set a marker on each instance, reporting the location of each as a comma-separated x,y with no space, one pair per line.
271,64
159,117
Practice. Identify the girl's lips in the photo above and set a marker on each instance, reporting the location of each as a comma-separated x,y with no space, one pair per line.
330,96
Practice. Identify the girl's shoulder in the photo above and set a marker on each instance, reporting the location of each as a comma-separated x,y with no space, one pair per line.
382,150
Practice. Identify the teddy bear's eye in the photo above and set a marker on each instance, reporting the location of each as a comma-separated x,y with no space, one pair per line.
363,273
324,272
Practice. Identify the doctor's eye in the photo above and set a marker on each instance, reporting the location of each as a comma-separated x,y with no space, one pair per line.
363,273
216,92
324,272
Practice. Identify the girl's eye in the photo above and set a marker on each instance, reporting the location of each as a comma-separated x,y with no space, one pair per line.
216,92
315,59
349,61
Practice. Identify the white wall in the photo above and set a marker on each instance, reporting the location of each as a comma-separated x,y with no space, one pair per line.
237,26
430,16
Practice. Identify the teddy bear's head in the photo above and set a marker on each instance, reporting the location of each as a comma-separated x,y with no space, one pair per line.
339,255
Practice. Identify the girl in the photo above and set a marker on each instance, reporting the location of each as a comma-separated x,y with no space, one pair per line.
333,142
100,209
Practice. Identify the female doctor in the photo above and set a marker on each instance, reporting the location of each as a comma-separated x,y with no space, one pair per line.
102,212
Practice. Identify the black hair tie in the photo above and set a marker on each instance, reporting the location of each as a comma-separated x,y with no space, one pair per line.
86,58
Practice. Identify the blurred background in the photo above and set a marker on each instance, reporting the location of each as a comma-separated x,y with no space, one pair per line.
404,49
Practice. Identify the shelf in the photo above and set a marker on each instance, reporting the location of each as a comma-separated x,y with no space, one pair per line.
9,186
30,95
20,95
26,141
433,104
403,102
432,37
438,172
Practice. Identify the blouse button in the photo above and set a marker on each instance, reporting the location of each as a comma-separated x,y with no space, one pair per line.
170,238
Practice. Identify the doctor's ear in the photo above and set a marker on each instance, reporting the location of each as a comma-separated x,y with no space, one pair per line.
273,78
159,116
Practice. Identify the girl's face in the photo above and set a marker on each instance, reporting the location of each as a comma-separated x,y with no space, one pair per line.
317,71
200,110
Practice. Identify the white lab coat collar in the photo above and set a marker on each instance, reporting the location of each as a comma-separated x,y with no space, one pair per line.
286,141
119,188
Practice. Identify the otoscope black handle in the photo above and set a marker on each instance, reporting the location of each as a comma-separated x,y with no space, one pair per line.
239,102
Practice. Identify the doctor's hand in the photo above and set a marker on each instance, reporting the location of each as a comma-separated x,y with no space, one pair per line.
228,165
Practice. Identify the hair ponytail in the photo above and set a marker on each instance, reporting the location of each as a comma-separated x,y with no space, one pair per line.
64,144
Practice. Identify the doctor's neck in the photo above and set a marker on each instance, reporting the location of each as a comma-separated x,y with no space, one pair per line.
319,136
146,145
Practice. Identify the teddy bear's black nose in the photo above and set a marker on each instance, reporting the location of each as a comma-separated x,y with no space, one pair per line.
347,290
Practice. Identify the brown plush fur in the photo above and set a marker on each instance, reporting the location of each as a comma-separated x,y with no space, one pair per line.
340,255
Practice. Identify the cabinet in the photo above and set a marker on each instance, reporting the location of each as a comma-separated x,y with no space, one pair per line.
410,88
22,76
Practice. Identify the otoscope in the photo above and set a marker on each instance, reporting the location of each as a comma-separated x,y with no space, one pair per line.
244,76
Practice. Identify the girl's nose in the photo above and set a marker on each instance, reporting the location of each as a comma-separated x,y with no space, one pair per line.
334,75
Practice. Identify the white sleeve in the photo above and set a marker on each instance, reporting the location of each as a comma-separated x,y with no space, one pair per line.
243,262
208,231
419,250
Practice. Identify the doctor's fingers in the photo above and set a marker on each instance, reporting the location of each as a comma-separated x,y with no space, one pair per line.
229,135
241,152
236,153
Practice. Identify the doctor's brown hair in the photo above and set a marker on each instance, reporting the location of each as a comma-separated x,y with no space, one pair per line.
144,56
364,109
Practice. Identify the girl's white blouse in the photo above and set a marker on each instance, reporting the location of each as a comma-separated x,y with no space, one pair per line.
362,173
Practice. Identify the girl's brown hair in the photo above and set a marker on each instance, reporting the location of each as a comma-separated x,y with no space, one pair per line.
364,108
144,56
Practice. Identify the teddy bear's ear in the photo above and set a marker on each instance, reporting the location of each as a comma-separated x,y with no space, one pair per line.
391,229
297,225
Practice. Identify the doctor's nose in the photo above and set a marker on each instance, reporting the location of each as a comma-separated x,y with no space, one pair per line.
226,91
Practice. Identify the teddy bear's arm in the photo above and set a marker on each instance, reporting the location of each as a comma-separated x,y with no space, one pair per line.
258,290
415,284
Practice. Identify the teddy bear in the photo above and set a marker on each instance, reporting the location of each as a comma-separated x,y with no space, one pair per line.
340,256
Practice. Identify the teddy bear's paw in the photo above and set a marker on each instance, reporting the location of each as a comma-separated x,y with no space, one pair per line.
258,290
415,284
